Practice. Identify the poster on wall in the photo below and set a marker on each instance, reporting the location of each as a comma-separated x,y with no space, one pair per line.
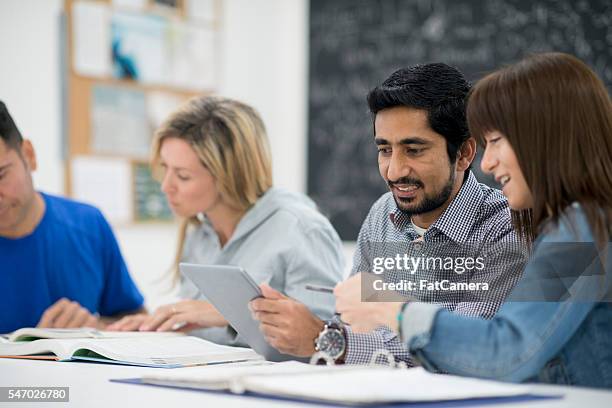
153,49
104,182
191,56
139,47
204,10
150,203
119,121
91,39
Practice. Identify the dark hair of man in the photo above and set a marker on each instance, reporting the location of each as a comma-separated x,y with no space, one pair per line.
557,116
9,133
437,88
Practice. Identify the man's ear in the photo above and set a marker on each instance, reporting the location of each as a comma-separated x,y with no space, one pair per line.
466,154
29,155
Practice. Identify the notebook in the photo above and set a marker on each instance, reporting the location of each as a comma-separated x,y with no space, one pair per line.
228,376
147,350
340,385
381,385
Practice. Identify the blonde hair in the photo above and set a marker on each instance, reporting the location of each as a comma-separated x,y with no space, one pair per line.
230,140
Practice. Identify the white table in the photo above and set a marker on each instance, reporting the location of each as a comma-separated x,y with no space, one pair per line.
90,387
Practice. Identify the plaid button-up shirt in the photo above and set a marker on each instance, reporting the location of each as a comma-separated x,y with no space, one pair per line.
478,217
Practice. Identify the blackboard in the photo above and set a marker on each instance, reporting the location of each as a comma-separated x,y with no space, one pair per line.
356,44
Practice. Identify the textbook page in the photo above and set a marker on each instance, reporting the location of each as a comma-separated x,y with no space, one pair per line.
160,352
35,333
45,349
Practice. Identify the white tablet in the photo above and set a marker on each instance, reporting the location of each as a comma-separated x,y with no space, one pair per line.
230,289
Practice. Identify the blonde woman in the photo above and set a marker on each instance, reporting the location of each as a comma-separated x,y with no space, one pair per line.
216,170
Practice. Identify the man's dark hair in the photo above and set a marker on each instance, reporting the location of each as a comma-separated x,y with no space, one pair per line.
437,88
9,133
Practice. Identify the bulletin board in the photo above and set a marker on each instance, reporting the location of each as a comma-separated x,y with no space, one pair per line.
128,64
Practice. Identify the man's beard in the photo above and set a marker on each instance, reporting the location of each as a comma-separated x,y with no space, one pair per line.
429,203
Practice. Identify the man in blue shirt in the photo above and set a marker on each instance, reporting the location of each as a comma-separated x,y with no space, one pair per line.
60,265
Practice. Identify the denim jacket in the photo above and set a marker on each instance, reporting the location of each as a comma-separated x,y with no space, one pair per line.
557,327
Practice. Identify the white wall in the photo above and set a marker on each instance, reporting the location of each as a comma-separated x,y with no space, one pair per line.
264,63
30,80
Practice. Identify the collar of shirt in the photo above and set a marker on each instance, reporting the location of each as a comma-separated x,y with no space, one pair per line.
456,222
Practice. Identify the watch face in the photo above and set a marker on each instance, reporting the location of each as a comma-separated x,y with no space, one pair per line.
332,342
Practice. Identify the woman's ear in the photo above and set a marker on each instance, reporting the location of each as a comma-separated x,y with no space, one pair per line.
466,154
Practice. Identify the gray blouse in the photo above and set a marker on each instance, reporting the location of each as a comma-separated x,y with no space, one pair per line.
283,240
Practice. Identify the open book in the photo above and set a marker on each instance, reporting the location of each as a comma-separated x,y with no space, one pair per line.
147,350
344,385
35,333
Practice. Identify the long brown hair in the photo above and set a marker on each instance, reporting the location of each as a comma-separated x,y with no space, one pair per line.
557,116
230,140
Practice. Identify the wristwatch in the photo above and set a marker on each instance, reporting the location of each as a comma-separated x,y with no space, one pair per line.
332,340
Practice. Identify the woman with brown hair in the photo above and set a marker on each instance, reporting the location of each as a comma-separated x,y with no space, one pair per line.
216,173
546,124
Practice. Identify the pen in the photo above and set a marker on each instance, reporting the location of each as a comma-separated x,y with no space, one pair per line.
317,288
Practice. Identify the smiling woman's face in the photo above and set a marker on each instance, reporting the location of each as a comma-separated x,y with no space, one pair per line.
500,160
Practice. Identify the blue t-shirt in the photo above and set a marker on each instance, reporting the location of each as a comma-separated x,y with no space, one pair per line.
72,253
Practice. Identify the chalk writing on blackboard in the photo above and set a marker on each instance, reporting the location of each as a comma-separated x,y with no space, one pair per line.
356,44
